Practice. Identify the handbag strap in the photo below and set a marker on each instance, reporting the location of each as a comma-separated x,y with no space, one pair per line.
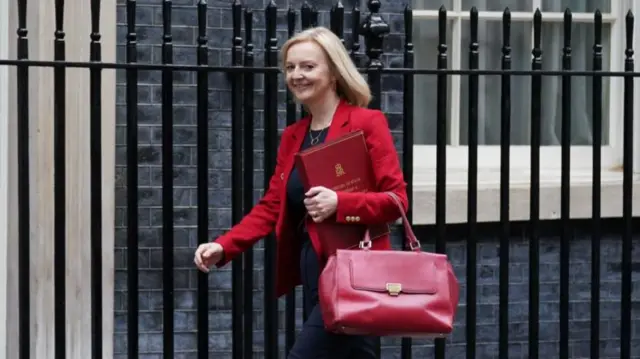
410,237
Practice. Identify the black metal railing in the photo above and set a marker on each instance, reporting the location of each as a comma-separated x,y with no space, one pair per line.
243,74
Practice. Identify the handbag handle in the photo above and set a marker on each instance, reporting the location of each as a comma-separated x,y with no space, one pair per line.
411,239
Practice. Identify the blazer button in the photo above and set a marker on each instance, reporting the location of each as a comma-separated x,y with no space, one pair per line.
282,176
357,219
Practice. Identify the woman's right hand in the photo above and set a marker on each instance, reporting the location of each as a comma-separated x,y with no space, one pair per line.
207,255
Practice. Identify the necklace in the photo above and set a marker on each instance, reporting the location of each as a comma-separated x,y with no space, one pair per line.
315,140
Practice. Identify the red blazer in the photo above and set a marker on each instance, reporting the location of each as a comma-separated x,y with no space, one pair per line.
271,211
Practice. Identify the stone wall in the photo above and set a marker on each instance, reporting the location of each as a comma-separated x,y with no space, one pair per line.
149,17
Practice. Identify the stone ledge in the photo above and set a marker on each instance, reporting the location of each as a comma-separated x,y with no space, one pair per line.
424,196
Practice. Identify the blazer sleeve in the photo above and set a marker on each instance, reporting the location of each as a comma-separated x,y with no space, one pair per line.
260,221
376,207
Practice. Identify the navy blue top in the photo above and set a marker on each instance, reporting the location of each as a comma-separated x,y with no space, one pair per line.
295,189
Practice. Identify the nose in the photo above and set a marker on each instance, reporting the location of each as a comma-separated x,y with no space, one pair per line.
296,74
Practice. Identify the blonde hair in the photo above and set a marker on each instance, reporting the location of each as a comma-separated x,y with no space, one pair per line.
350,84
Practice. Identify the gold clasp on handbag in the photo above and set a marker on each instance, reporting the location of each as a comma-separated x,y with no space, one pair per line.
394,289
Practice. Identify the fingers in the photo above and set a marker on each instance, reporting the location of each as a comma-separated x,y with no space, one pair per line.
317,205
314,191
317,216
199,259
208,252
314,209
312,205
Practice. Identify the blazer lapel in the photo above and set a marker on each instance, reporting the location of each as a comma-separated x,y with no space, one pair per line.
340,121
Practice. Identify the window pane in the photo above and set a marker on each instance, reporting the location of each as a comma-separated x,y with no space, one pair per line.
425,39
581,98
490,41
490,35
577,5
431,4
497,5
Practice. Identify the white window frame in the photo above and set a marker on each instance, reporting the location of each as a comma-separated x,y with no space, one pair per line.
550,159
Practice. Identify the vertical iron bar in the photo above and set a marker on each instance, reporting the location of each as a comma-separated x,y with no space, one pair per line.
202,87
237,212
314,16
248,131
24,217
290,303
337,20
95,94
332,18
627,193
59,184
132,183
565,189
270,156
472,195
355,34
167,185
374,28
441,151
505,167
306,18
291,103
407,136
534,201
596,217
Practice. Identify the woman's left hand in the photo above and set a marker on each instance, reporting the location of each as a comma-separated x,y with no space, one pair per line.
321,203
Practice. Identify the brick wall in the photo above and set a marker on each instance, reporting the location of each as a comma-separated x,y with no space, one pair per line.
149,18
488,272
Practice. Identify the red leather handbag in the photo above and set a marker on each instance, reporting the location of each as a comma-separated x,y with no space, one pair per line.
389,292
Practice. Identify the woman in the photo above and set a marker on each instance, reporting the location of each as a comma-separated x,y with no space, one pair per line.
322,77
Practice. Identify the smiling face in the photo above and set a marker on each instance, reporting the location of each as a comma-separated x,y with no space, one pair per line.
308,72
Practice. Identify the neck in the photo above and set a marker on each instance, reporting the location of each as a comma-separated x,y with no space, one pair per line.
322,111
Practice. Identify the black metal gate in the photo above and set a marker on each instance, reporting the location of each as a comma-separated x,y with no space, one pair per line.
245,72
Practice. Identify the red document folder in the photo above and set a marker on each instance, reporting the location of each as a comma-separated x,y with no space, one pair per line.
342,165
